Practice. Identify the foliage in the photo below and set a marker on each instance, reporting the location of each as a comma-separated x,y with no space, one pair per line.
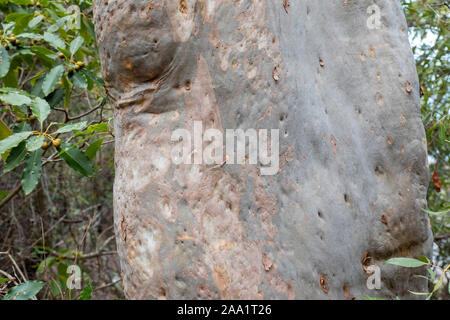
24,291
48,56
54,110
420,262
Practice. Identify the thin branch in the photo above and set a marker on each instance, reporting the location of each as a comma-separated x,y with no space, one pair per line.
69,118
19,185
10,277
107,285
15,265
11,195
87,256
442,236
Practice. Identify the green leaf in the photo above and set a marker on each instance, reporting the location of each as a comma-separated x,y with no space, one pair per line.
56,97
3,280
15,157
4,133
4,130
76,44
92,76
35,142
46,263
51,79
419,293
13,90
79,80
5,62
13,140
440,213
3,194
432,275
16,15
21,127
24,291
370,298
55,287
35,21
62,274
91,151
442,132
76,159
46,56
65,52
406,262
15,99
86,294
40,108
33,36
54,40
99,127
423,259
11,79
20,22
72,127
32,171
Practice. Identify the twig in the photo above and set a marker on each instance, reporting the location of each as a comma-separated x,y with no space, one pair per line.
107,285
69,118
87,256
14,264
442,236
19,185
11,195
10,277
49,230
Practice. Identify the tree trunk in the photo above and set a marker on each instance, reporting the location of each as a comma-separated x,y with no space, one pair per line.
341,87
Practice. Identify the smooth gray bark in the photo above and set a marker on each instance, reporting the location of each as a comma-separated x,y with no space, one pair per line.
353,161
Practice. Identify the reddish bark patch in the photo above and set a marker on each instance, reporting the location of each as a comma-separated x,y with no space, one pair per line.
346,290
409,87
323,281
286,5
365,261
267,262
384,220
334,144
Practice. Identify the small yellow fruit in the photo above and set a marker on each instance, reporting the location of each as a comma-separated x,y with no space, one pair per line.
61,55
32,117
80,63
57,142
45,145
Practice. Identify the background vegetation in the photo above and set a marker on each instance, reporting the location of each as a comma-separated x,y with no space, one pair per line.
56,143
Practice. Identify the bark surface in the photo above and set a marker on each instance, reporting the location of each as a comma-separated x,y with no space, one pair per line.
353,162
